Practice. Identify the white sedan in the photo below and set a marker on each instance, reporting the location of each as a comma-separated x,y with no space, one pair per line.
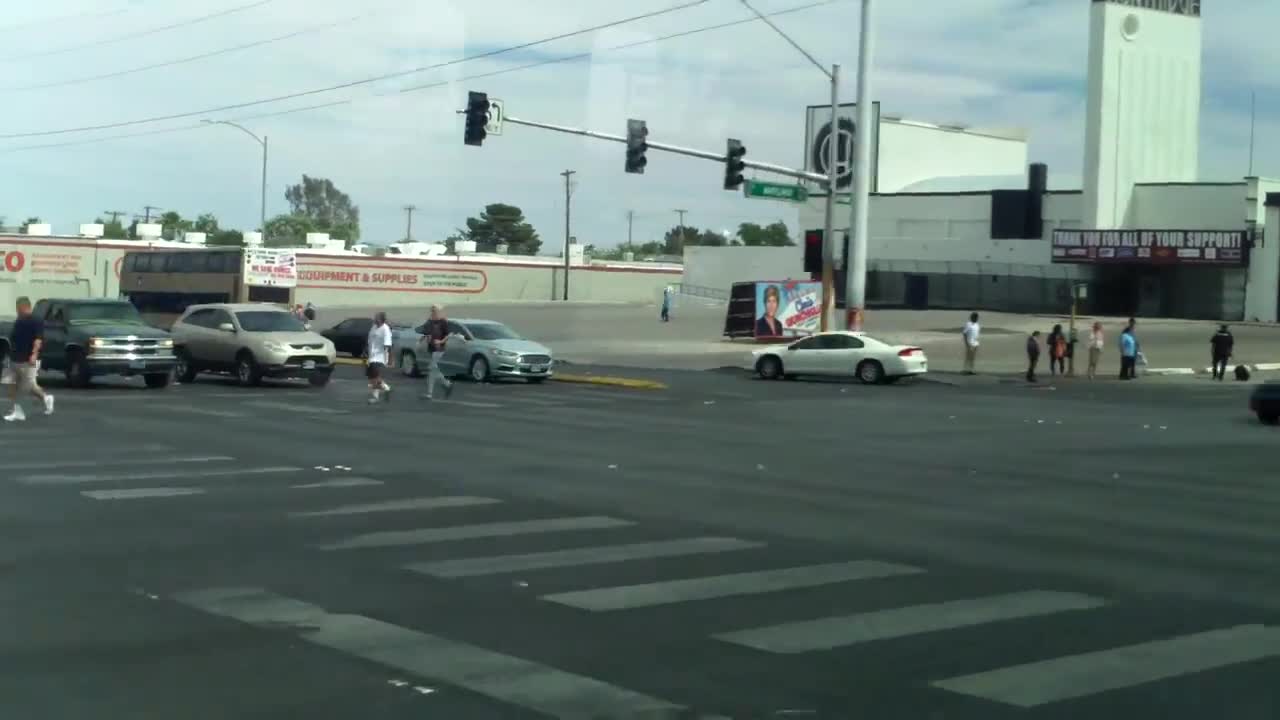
840,353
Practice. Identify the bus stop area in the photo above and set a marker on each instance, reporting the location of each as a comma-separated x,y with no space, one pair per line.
630,335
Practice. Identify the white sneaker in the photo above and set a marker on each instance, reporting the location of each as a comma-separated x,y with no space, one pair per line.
15,415
48,404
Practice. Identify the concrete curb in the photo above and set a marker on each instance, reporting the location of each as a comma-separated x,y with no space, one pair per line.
632,383
1208,370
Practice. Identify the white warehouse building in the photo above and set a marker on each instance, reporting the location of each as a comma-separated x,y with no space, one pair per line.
958,221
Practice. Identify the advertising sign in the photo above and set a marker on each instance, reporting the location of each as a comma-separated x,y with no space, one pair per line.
1151,247
269,267
818,136
787,309
406,278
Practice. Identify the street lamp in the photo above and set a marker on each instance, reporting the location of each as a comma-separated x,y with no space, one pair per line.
833,174
263,142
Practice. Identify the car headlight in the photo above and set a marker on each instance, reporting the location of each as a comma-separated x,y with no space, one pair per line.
275,347
96,342
506,354
166,343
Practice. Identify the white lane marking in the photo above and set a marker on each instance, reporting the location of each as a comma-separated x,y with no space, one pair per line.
428,503
206,412
120,461
522,683
469,567
422,536
96,477
1075,676
296,407
841,631
338,483
717,586
140,493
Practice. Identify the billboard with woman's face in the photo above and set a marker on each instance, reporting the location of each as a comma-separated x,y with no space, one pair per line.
788,309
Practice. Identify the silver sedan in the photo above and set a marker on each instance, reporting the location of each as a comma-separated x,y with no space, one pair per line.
481,349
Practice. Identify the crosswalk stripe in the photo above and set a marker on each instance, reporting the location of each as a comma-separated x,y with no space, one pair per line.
423,536
840,631
98,477
522,683
296,407
338,483
140,493
207,412
704,588
1075,676
468,567
430,503
119,461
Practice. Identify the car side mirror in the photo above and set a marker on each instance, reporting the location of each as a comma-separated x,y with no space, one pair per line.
227,327
306,326
790,348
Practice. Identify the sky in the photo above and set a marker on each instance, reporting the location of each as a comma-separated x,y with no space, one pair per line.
71,64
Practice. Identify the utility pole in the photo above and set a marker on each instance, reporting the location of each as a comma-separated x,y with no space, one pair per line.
833,174
146,218
408,229
631,217
568,192
681,213
856,264
115,215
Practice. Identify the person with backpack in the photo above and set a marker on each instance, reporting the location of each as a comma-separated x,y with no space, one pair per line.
1033,355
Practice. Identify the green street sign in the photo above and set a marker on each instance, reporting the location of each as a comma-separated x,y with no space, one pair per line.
774,191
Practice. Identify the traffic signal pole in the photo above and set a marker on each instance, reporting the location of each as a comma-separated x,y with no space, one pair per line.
676,149
856,264
829,207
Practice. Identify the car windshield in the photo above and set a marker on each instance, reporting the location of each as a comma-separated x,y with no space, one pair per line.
269,321
493,331
98,312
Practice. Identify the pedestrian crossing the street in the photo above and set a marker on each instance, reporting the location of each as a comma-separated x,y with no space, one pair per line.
343,520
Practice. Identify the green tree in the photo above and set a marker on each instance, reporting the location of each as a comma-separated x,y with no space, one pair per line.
205,223
112,229
173,226
593,252
326,208
29,222
225,237
498,224
771,235
290,229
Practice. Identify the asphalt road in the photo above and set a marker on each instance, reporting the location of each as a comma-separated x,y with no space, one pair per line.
725,548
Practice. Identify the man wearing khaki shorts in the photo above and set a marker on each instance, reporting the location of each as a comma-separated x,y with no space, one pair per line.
26,340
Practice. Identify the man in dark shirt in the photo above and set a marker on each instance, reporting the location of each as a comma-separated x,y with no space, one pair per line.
1223,345
25,342
1033,355
436,336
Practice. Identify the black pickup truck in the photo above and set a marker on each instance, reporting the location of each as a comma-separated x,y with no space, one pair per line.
85,338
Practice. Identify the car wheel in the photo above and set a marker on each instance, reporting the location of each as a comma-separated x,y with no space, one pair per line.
185,369
319,379
157,381
78,374
247,371
1268,418
870,372
409,364
479,369
769,367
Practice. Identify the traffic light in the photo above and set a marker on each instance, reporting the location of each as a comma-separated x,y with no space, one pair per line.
813,251
734,165
637,131
477,118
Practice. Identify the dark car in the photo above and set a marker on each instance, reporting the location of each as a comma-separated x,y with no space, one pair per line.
351,336
1265,402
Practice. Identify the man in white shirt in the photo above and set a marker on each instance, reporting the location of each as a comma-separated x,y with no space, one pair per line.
379,357
970,334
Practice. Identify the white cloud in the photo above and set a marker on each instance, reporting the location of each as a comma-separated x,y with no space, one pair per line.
1008,63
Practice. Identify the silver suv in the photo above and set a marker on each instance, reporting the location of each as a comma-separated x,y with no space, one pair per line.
252,341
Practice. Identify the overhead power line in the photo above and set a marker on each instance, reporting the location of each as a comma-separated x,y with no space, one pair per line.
355,83
188,59
529,66
135,34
